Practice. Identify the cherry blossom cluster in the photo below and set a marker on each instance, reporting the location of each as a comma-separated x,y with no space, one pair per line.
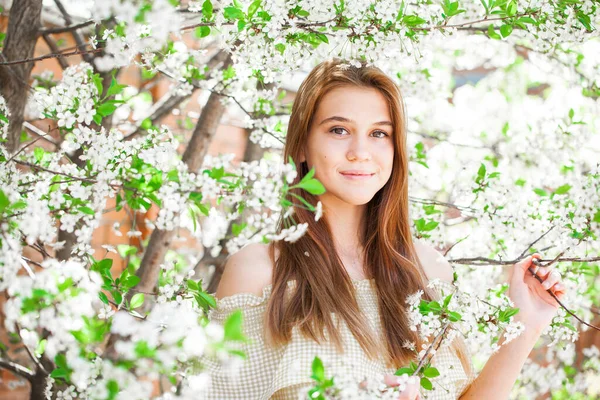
480,320
4,118
72,100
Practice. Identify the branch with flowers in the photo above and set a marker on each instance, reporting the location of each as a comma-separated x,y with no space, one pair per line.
509,175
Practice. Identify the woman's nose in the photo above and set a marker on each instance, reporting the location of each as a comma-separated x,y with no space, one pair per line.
358,150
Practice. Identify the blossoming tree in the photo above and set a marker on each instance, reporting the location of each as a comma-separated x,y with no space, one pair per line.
502,100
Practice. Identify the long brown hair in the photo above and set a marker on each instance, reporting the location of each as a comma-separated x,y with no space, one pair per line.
322,284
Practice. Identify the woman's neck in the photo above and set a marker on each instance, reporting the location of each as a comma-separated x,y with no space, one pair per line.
345,222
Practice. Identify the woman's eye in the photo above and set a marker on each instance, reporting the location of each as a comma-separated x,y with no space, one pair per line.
383,134
337,129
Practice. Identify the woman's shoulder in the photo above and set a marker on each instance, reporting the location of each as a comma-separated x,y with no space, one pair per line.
434,263
249,271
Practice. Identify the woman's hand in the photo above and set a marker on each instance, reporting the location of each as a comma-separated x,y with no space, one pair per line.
536,306
410,392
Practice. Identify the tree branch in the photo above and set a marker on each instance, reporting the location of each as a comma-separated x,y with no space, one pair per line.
23,24
74,33
193,156
52,55
54,48
17,369
68,28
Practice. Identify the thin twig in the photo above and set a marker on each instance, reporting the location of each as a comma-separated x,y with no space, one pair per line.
23,148
68,28
534,242
491,261
439,337
17,369
536,262
52,55
38,132
31,355
54,49
76,36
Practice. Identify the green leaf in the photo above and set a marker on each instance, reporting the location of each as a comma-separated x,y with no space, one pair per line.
413,20
86,210
280,47
540,192
318,370
210,300
113,389
447,300
431,372
131,281
60,373
562,189
506,30
236,229
4,202
492,33
98,83
232,13
426,384
253,8
143,350
527,20
191,284
39,152
103,297
454,316
312,186
431,225
202,31
115,88
207,9
481,172
233,327
106,109
137,300
41,347
405,370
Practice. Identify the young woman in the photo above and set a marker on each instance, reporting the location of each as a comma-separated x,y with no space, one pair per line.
339,291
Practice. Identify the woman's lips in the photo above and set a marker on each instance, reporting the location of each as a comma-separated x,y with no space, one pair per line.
356,176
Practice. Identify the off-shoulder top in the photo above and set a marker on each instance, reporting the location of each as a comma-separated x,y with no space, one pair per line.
279,373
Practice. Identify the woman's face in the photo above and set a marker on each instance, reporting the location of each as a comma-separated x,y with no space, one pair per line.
350,144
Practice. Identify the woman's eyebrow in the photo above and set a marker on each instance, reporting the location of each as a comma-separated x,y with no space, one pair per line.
344,119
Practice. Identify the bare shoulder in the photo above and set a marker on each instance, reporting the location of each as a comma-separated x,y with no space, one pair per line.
246,271
434,263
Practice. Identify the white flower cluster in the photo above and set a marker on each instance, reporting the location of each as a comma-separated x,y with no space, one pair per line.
4,118
72,100
172,332
349,385
57,300
148,35
90,380
479,319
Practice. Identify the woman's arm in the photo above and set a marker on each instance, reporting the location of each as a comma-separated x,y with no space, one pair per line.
536,310
501,371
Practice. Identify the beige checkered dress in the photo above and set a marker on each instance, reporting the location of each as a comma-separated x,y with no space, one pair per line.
280,373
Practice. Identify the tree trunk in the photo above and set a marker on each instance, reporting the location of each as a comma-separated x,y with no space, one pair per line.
23,26
193,156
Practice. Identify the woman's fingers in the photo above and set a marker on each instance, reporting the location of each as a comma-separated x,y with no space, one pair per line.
391,380
411,392
543,272
552,278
